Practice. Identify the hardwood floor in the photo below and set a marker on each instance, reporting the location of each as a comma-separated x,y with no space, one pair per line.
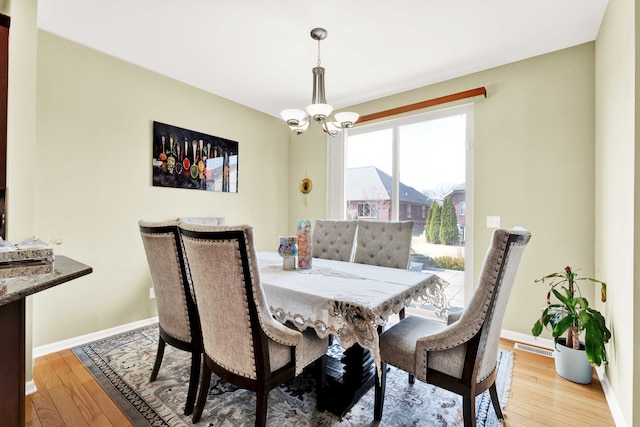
69,396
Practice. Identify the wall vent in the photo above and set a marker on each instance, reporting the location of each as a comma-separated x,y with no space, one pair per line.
535,350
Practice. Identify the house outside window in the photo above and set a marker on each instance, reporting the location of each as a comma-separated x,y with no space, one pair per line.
409,208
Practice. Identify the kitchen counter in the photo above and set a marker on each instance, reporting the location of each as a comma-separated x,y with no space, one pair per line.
13,290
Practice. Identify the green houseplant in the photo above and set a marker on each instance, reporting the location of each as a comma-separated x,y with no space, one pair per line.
571,315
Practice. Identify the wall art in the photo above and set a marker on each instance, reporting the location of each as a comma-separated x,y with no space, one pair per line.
187,159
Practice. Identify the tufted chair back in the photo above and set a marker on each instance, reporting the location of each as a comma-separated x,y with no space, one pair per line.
383,243
242,341
333,239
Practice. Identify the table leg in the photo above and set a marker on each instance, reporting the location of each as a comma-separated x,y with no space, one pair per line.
348,379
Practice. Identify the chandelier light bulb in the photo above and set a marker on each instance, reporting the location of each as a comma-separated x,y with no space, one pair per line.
346,119
319,111
331,128
299,130
293,117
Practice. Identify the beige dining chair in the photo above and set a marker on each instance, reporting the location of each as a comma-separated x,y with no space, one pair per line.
243,343
383,243
333,239
461,356
386,244
179,325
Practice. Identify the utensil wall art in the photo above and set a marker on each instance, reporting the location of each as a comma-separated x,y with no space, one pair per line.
187,159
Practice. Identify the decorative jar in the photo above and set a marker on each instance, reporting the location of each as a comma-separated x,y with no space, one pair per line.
288,250
304,244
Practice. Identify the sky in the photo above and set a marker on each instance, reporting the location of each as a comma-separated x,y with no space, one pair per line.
432,153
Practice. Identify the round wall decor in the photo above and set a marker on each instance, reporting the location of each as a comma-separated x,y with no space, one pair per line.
305,185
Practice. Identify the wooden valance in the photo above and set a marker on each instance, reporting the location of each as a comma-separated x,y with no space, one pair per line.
424,104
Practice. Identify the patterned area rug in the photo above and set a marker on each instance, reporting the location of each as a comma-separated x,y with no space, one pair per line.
122,365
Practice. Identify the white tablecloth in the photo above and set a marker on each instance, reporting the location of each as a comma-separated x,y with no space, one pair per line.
347,300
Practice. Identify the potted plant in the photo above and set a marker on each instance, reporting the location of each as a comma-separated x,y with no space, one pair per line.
571,315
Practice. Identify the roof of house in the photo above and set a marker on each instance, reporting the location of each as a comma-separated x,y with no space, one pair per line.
460,188
370,183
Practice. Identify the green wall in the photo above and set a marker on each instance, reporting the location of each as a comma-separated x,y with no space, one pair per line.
92,174
617,184
533,165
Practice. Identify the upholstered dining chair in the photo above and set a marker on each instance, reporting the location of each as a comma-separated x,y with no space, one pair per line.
243,343
461,356
333,239
383,243
179,325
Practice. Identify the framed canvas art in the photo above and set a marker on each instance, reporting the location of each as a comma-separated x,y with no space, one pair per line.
184,158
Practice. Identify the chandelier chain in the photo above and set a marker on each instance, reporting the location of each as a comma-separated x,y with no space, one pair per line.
318,53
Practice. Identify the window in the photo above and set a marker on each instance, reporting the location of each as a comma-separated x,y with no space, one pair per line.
364,210
375,170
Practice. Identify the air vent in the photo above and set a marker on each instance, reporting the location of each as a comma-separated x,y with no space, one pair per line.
535,350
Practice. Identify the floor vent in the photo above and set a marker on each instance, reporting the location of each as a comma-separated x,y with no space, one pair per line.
532,349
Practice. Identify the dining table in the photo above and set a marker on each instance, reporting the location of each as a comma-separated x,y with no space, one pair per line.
351,302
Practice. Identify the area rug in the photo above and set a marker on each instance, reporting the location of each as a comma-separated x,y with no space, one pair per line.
122,364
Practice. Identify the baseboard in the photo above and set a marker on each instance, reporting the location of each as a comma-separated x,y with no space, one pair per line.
527,339
30,388
83,339
612,402
614,407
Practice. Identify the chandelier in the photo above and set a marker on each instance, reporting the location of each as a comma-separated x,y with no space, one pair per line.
318,110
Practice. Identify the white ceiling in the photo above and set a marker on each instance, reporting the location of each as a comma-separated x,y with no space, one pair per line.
259,53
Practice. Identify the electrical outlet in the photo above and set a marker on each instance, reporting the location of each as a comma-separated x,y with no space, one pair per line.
152,293
493,222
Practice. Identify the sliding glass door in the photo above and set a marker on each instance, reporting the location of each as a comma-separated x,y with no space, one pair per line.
412,169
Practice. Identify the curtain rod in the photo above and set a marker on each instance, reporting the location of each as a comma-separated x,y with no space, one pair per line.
424,104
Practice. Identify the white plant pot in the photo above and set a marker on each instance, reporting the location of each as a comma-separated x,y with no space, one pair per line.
572,364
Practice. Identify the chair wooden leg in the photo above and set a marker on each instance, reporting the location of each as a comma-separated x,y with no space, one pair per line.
158,362
205,382
196,357
493,391
380,386
262,396
469,411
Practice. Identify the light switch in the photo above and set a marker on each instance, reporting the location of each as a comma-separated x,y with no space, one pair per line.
493,222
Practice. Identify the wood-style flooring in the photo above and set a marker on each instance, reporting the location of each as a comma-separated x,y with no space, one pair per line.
69,396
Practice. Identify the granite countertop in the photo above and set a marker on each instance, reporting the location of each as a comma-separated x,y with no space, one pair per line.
64,270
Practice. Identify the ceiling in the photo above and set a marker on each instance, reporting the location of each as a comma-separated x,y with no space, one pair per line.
259,53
